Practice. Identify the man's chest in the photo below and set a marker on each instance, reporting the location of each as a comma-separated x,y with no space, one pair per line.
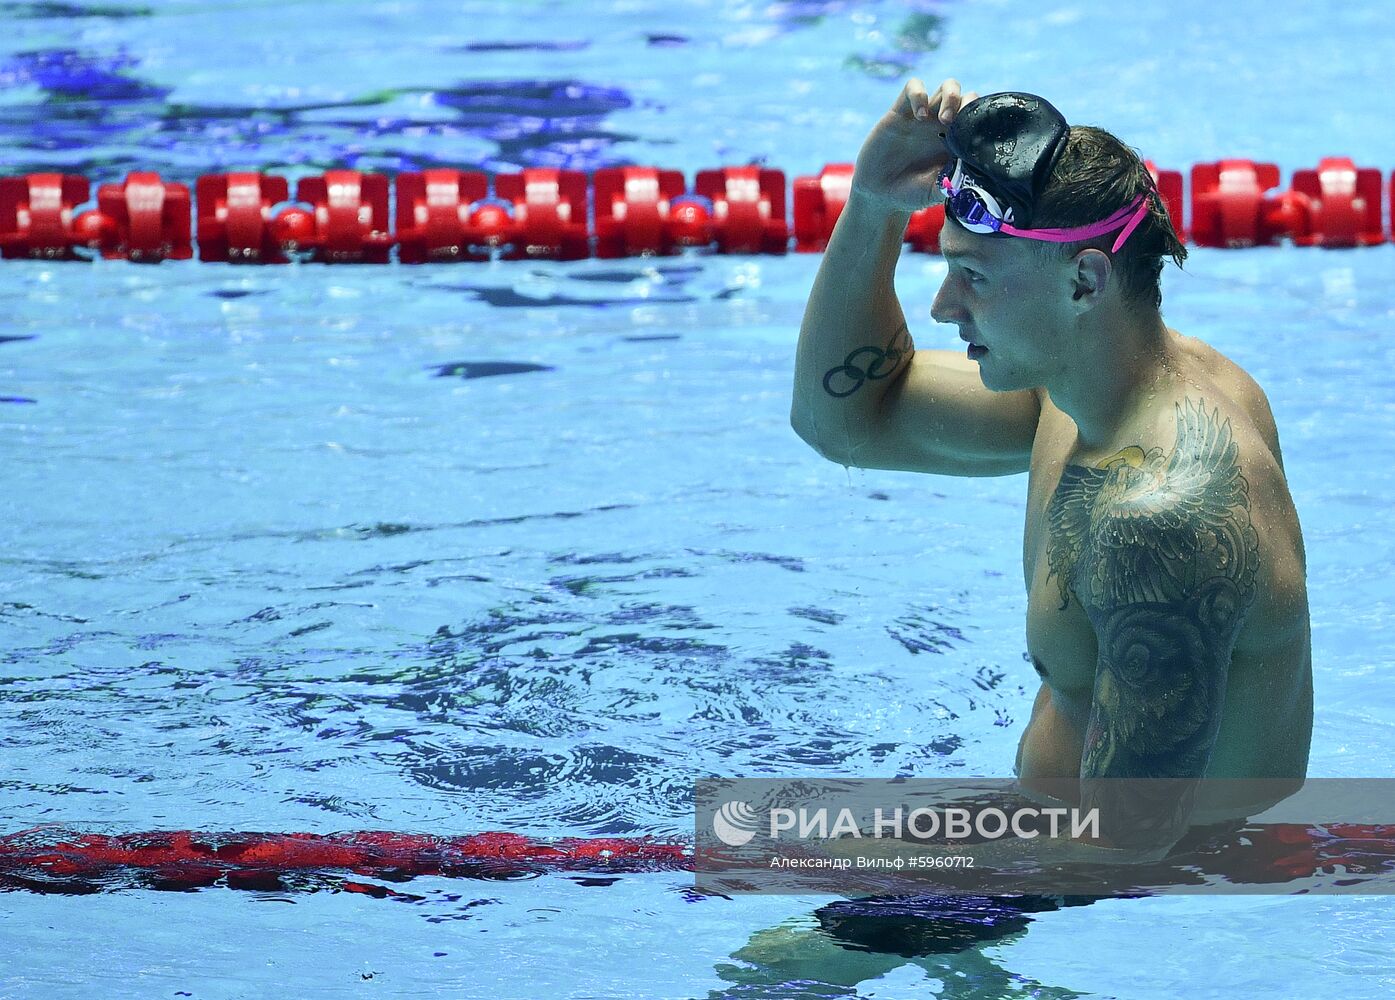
1060,637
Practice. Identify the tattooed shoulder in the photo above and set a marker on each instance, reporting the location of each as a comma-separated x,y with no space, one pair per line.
1155,527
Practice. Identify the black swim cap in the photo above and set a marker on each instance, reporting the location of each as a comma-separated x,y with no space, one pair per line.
1009,142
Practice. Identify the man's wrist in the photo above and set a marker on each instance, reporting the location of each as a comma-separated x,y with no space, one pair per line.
869,205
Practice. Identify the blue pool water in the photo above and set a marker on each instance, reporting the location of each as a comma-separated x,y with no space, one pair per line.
273,563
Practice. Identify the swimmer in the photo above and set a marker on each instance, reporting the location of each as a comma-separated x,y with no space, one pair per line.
1167,613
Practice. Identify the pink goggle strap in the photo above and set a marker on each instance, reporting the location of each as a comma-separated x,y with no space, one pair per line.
1134,212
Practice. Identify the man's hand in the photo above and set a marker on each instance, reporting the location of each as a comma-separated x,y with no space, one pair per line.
905,151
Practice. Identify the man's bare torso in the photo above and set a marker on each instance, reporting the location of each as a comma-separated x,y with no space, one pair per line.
1267,715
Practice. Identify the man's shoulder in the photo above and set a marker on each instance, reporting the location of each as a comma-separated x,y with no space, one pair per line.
1190,425
1172,507
1211,446
1197,504
1237,395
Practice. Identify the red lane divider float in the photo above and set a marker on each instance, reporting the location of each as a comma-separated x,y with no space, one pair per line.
143,218
342,216
1343,205
434,219
36,215
549,214
748,209
633,205
1169,184
818,201
235,217
349,224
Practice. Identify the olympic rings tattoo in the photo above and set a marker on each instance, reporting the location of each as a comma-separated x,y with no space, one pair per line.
881,362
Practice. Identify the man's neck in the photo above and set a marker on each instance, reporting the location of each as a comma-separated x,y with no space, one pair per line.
1115,359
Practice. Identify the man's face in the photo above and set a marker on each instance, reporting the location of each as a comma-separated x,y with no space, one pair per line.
1008,302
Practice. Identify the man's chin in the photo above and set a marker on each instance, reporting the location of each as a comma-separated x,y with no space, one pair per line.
996,379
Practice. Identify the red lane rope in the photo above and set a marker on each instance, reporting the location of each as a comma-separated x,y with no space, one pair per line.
47,860
343,216
51,859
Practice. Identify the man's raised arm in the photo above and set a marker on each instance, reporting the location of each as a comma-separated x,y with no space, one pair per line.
862,396
854,338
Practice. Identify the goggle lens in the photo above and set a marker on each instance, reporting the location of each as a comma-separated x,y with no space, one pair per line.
975,209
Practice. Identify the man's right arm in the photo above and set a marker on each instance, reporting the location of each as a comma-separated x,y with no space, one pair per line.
862,394
854,341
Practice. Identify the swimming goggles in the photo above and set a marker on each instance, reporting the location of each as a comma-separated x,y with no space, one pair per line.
978,211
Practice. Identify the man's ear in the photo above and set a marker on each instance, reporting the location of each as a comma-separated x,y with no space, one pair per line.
1088,278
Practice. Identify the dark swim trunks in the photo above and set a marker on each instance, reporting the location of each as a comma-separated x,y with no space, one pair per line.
941,924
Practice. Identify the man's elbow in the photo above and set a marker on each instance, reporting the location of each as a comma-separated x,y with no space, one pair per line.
808,433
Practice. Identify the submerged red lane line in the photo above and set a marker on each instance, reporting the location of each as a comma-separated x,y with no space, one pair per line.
56,859
61,860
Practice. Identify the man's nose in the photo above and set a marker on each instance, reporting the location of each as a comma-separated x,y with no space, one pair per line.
946,308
